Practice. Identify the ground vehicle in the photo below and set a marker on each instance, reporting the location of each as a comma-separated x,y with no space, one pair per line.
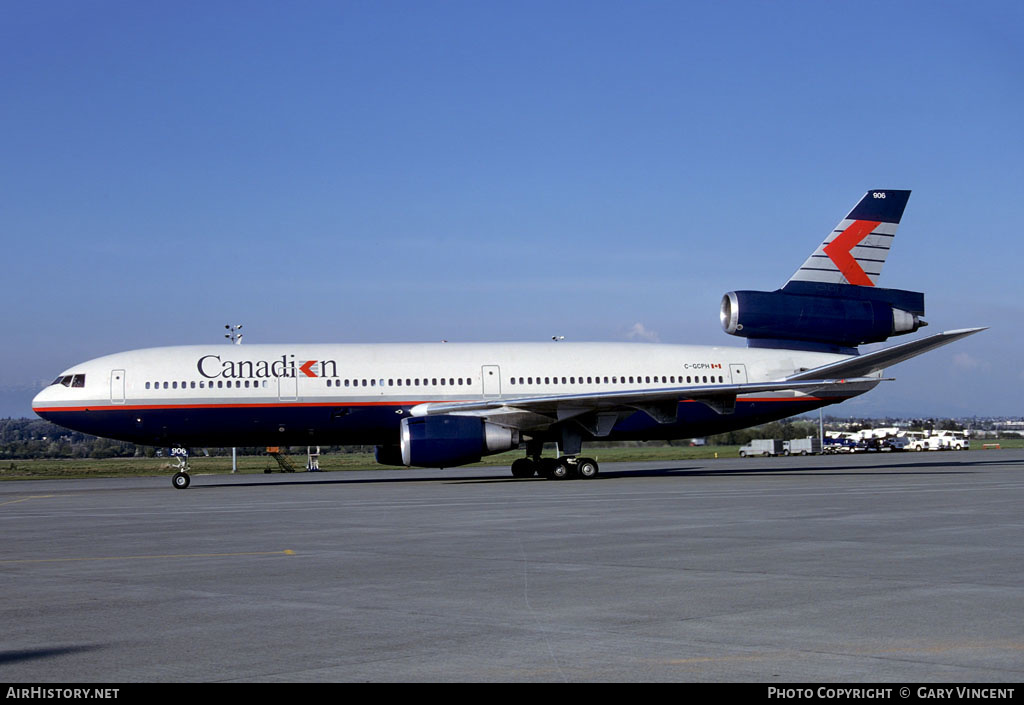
802,446
763,446
839,445
953,440
922,443
868,444
896,443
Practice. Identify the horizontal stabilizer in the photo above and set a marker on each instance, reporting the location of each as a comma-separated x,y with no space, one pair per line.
870,363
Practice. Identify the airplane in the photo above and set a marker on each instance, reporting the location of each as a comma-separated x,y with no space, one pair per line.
450,404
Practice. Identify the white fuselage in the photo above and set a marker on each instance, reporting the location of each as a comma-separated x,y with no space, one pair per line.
270,394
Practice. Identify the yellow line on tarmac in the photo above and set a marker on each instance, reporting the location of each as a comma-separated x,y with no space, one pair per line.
287,552
25,499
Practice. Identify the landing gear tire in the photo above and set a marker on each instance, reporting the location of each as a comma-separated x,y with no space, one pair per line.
586,468
524,467
560,469
181,480
553,469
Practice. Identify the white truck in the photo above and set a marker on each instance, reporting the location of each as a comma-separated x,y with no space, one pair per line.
802,446
763,446
952,440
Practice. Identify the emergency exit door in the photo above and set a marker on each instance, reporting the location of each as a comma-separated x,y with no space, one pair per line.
117,386
491,375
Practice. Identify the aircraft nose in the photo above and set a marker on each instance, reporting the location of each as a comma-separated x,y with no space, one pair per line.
43,400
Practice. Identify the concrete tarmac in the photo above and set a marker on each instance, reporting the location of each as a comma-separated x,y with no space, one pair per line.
867,568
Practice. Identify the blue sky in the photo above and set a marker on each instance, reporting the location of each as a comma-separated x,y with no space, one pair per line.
497,171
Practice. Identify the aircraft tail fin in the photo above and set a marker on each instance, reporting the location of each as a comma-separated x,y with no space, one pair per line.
832,303
855,250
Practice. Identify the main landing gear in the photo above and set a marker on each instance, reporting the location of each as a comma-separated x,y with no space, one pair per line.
566,467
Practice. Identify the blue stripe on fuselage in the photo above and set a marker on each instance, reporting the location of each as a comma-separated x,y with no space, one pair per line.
376,424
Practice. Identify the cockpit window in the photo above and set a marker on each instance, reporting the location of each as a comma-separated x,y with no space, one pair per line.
70,381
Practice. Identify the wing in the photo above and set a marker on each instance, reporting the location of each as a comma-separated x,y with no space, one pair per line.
599,411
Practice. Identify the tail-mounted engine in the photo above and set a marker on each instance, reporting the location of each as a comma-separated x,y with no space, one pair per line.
829,316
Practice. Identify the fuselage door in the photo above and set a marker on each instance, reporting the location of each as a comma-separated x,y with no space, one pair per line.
739,374
491,375
117,386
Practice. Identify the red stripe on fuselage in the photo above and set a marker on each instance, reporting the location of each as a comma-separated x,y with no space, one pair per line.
144,407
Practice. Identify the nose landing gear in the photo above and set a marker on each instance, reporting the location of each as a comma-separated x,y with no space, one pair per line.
181,478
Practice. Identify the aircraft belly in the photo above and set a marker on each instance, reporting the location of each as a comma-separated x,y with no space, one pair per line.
251,425
377,423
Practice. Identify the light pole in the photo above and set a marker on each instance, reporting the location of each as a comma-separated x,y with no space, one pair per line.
236,339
